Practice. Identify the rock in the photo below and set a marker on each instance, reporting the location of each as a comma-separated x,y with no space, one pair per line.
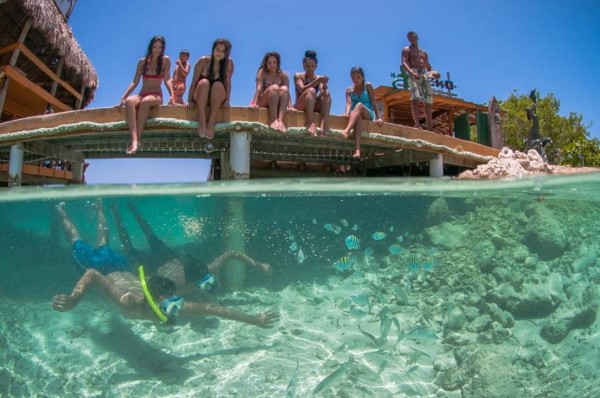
533,301
446,235
480,324
587,258
544,235
444,363
450,380
438,212
485,254
578,312
455,319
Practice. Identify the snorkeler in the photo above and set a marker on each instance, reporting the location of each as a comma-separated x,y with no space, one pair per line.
137,296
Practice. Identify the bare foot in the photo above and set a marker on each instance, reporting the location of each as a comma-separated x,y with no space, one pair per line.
345,134
274,125
312,130
282,127
266,268
266,319
356,154
133,148
210,130
324,129
201,130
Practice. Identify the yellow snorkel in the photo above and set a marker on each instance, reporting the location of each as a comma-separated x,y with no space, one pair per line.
149,298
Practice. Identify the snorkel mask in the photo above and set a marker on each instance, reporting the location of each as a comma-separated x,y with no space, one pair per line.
207,283
171,306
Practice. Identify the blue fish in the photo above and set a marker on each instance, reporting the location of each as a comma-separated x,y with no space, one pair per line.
328,227
337,229
413,265
428,265
355,227
399,238
343,263
344,222
352,242
395,248
379,235
293,247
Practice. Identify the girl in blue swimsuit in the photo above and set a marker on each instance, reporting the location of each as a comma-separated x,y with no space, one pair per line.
360,102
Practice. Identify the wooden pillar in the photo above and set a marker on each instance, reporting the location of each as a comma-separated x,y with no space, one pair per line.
54,86
240,155
386,111
13,62
77,170
15,167
225,166
451,123
79,102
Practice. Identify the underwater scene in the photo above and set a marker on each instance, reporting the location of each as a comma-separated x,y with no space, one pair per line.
300,288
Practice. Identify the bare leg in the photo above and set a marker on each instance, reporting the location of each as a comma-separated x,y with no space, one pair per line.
284,100
429,117
102,232
157,246
219,262
310,102
217,96
357,133
354,116
324,107
201,96
68,227
123,234
273,98
131,105
143,111
414,109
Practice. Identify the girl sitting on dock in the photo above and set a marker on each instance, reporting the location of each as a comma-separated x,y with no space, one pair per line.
153,68
359,106
211,85
272,90
312,94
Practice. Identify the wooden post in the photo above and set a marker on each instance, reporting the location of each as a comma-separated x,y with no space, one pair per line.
79,102
494,126
15,167
13,62
451,123
54,86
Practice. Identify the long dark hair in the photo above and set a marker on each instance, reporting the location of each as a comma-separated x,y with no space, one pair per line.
224,63
159,64
263,64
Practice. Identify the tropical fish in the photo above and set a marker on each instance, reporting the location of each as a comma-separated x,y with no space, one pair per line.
333,377
355,227
391,229
352,242
361,299
395,248
379,235
328,227
420,332
428,265
290,392
343,263
413,265
344,222
314,220
337,229
377,342
399,238
293,247
290,236
301,257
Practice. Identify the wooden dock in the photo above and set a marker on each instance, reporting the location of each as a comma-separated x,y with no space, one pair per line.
74,136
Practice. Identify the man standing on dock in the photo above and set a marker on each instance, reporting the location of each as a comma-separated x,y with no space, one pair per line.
415,62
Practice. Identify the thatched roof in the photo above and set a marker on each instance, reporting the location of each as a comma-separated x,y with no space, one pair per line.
50,23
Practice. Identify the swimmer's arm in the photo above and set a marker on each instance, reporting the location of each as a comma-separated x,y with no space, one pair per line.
195,77
91,278
167,76
258,89
136,80
263,320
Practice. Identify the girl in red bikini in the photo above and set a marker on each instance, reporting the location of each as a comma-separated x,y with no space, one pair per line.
211,85
154,68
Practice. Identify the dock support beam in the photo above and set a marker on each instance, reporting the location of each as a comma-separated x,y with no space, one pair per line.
436,166
239,157
13,61
15,167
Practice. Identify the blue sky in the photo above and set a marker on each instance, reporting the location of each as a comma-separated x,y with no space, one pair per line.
489,48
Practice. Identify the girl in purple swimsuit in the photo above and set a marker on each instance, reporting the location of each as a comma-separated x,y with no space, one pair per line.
272,90
359,106
154,68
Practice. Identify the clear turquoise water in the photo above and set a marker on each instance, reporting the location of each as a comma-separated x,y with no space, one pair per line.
473,253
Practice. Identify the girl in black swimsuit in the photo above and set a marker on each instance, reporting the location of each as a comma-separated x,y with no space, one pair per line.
211,85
